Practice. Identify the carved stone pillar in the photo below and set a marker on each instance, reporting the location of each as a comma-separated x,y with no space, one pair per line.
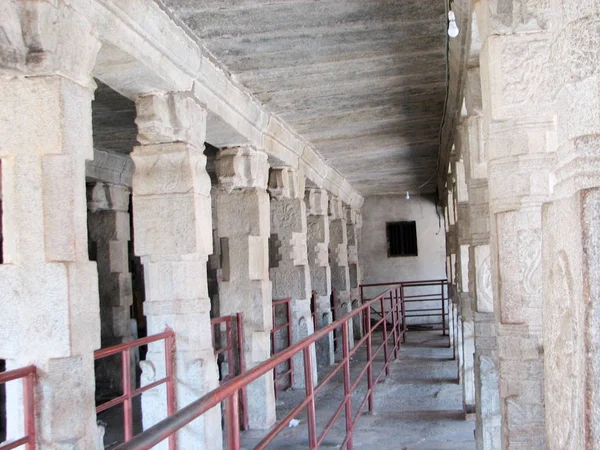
173,237
109,235
317,202
289,270
49,295
519,128
478,282
353,227
338,261
571,236
243,217
463,295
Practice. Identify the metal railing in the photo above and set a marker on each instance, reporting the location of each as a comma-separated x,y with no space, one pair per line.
128,392
233,345
229,390
27,375
409,293
280,372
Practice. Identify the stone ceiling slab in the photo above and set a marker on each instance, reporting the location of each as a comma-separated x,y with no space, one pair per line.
353,77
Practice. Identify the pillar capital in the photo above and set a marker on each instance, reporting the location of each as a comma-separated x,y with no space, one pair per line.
336,208
242,167
317,202
170,117
286,183
44,38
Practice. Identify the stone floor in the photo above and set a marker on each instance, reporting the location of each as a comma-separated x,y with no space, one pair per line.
418,407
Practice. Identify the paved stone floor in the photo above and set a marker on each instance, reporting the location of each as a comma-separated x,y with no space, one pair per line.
418,407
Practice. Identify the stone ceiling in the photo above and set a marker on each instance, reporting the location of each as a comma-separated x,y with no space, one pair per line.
362,80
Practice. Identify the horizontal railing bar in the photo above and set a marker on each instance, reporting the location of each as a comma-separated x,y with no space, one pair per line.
12,375
425,315
282,424
104,352
222,350
282,301
425,309
281,327
222,319
331,421
405,283
14,444
181,418
121,398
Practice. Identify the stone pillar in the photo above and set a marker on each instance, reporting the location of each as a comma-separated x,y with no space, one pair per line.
353,226
317,202
109,235
172,227
519,128
290,275
338,261
49,295
463,294
479,283
571,236
243,216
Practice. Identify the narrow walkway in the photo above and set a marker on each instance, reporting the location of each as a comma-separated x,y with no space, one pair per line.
419,407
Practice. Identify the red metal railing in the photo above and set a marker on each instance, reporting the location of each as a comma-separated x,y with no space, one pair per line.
282,372
27,375
229,390
231,346
409,292
128,392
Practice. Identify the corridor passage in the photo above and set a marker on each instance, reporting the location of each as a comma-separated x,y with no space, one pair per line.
419,407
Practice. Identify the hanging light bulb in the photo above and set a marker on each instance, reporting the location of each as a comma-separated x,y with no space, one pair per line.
452,28
407,195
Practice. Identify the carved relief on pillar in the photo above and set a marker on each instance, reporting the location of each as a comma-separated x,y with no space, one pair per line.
483,279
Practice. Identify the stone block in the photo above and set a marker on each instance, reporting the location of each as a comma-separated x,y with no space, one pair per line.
242,168
170,117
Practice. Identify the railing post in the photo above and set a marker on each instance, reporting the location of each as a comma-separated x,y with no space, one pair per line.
242,362
443,310
232,422
385,337
126,382
169,372
290,340
29,409
347,393
403,306
394,322
229,334
399,316
369,357
310,393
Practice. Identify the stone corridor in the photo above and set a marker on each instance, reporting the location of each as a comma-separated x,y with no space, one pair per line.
419,407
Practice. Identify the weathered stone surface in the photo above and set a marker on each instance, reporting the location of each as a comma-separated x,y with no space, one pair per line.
243,218
173,236
45,122
290,275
